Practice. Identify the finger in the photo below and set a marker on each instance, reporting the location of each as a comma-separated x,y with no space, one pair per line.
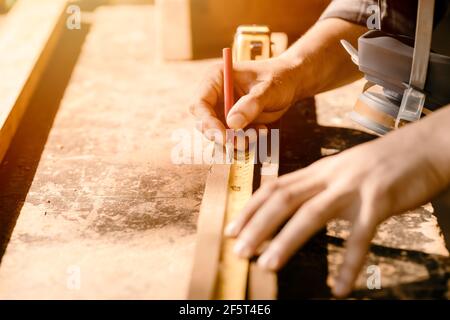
272,214
201,108
212,128
356,250
262,194
248,107
309,219
258,198
209,95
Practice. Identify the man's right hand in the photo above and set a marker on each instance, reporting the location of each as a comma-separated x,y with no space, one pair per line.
264,91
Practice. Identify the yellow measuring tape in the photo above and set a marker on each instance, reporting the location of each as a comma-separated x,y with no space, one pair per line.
233,271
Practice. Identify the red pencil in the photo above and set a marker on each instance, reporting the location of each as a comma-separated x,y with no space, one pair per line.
228,89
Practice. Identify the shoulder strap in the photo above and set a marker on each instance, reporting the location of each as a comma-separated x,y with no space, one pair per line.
422,45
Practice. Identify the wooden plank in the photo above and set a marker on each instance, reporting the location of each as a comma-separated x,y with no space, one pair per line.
262,283
28,37
209,234
229,276
173,23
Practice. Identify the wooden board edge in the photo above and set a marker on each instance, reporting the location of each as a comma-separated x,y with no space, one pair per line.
174,30
12,121
263,284
209,234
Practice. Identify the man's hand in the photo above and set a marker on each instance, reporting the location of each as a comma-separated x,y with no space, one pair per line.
364,185
265,90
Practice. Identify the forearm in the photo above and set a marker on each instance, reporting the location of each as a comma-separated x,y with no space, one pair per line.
318,59
434,136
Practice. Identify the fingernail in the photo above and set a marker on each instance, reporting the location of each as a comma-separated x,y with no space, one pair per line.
231,230
270,262
242,249
236,121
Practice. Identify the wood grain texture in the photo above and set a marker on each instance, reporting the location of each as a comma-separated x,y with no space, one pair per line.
100,191
27,39
209,234
262,284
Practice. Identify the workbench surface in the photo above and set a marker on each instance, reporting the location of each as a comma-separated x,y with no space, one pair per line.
88,191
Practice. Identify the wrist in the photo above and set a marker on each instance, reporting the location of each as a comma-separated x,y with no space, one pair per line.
436,131
299,73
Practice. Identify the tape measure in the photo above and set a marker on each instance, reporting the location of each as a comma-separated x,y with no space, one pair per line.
251,43
232,275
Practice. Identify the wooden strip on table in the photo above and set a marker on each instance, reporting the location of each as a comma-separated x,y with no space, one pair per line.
209,234
27,39
263,284
174,29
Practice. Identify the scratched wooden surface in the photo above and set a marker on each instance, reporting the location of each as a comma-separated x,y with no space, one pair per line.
89,187
104,198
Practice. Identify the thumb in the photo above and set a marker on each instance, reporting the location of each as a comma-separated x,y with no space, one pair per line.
248,107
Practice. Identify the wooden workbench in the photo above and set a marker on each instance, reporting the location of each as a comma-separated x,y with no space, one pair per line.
88,187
